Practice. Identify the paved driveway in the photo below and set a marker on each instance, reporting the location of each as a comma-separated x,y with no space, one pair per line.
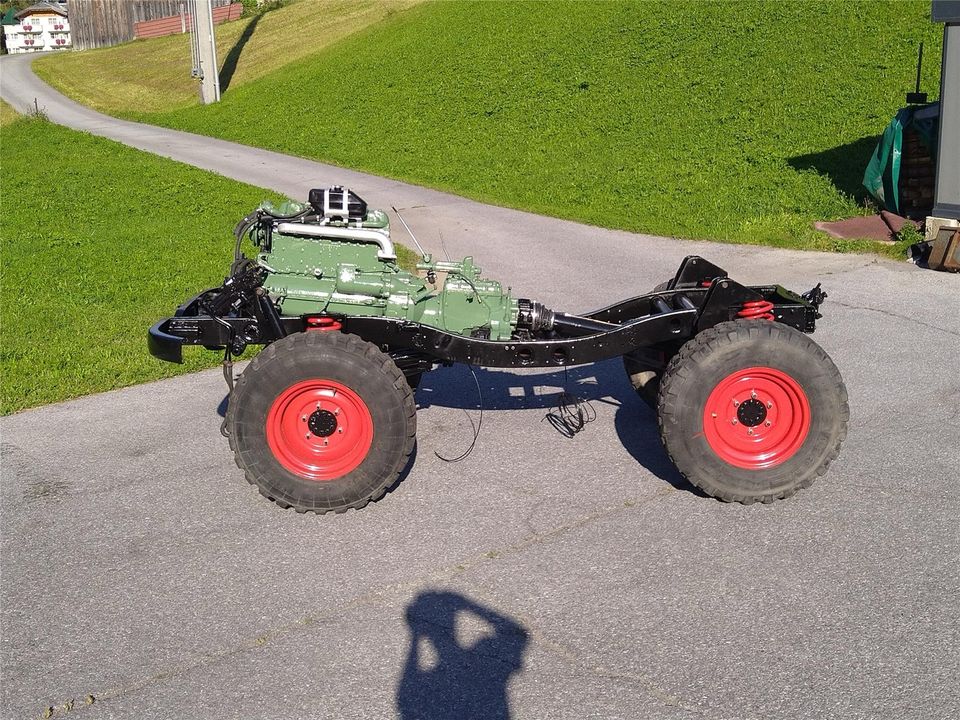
542,577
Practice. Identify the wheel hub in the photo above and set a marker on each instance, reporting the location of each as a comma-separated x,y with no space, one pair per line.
322,423
751,412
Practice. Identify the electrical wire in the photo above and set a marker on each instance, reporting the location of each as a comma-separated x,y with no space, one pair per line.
443,247
228,376
573,412
473,287
476,427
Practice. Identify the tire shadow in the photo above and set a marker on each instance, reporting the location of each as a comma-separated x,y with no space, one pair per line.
603,383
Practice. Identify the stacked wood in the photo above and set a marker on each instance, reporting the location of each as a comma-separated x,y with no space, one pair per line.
917,176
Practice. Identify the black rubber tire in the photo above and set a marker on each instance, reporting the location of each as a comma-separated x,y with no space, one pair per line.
644,379
714,355
342,358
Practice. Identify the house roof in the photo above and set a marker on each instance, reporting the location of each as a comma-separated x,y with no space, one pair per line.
40,7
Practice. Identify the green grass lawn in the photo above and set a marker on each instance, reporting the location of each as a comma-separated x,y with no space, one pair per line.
98,242
742,122
152,75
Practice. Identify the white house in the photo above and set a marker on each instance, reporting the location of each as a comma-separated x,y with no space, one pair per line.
42,26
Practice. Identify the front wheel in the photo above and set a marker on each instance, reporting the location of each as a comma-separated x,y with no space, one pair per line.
752,410
322,421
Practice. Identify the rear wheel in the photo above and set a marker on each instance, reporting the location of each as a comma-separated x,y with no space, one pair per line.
322,421
752,410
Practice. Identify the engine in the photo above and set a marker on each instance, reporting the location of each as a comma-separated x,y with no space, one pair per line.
333,255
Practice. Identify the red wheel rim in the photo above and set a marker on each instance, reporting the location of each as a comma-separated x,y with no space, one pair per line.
756,418
319,429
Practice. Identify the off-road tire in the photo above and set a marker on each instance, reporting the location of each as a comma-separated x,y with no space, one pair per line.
380,404
727,361
644,379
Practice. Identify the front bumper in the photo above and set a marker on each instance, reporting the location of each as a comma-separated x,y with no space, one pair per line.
166,338
164,345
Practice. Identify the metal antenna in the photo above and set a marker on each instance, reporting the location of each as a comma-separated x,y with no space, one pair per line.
917,97
919,65
410,232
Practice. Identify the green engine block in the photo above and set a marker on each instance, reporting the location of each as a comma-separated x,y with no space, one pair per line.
338,259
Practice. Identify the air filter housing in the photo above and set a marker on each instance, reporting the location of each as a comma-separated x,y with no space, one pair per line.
338,203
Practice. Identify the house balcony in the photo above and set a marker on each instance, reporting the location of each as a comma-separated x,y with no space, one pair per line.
31,29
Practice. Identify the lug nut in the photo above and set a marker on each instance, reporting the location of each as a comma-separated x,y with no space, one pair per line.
769,405
753,394
734,421
767,423
750,431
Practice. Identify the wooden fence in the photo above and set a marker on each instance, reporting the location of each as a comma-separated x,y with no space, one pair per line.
182,23
99,23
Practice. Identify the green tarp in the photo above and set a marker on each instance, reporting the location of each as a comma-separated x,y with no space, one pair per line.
882,176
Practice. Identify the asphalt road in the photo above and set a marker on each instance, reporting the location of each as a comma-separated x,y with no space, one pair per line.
542,577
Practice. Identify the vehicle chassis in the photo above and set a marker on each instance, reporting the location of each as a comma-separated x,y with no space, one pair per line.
700,296
749,408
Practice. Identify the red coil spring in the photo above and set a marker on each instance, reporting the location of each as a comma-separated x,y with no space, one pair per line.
757,310
323,323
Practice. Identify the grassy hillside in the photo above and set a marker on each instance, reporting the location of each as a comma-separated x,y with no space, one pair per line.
153,75
98,242
732,121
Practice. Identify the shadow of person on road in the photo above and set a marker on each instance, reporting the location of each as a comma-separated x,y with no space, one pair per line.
461,658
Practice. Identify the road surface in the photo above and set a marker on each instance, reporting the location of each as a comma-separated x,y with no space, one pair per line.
542,577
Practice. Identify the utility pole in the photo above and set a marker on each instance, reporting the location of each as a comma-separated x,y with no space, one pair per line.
205,51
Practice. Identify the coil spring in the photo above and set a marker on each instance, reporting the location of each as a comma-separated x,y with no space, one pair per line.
757,310
323,323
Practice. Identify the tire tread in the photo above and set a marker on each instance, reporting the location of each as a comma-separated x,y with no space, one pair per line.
308,342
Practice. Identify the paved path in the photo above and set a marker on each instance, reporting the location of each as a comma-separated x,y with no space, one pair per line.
587,580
